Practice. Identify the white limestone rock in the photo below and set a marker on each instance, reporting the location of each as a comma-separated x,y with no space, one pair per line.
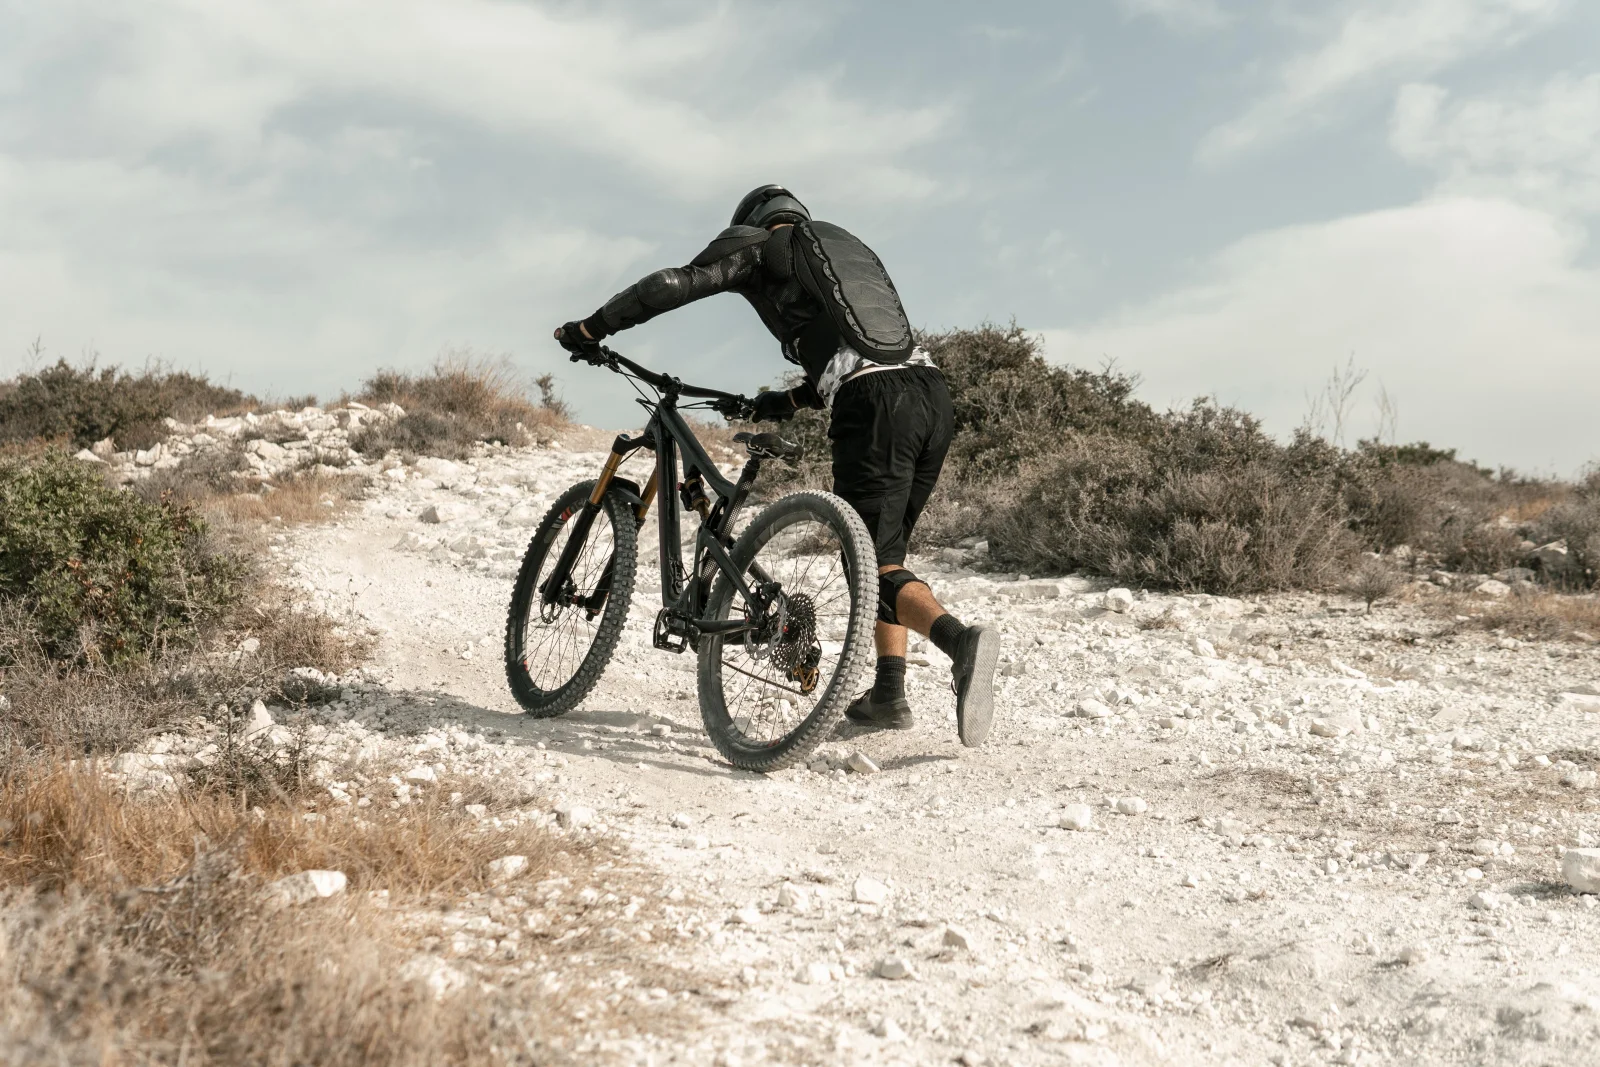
1118,600
306,886
869,891
1580,868
1077,817
507,867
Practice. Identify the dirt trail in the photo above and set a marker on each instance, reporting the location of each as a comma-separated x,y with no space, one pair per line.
1348,848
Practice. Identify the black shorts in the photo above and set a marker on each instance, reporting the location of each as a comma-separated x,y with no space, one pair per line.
890,432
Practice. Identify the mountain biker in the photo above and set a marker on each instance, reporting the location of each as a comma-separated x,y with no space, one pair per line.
828,300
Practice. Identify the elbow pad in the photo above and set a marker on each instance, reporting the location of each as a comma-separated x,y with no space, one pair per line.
664,290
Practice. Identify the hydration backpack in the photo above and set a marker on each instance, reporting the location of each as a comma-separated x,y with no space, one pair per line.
848,279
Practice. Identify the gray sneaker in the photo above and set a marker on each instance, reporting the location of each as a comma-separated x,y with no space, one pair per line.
893,715
972,677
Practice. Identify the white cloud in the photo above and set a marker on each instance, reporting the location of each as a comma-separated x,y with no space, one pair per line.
1474,312
270,186
1370,43
1179,14
1540,147
652,99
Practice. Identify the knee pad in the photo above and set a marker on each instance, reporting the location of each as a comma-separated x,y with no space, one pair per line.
889,586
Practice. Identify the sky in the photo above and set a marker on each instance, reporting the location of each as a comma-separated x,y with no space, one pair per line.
1228,199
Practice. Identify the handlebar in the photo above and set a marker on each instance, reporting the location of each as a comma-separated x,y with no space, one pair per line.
666,383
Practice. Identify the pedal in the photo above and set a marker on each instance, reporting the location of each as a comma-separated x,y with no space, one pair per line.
669,636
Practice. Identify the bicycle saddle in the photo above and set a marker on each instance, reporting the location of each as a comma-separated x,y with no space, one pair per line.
769,446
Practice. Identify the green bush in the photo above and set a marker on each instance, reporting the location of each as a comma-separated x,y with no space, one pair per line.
1062,469
85,404
104,574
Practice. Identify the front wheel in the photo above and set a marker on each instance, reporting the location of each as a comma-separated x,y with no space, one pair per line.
769,696
555,651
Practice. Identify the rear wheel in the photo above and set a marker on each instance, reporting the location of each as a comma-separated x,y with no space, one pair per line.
556,652
768,697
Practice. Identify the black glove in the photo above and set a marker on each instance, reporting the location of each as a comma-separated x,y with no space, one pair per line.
734,408
774,405
572,339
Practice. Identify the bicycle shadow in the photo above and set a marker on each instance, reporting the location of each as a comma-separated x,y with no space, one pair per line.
621,737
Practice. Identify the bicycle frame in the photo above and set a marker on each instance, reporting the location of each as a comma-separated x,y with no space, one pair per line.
683,593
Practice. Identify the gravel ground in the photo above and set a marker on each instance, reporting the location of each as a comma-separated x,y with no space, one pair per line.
1204,831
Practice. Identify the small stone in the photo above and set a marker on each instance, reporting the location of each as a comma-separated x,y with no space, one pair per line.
1483,901
1412,955
476,811
681,820
260,720
507,867
250,646
889,1030
869,891
794,897
957,938
747,916
893,968
306,886
1131,806
814,973
422,773
1077,817
435,974
1580,867
574,816
661,729
1580,779
1118,600
1091,709
861,763
1493,589
1202,648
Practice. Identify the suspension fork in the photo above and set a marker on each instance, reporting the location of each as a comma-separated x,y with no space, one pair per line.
551,589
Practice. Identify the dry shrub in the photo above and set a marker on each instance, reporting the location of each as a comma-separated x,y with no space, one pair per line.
135,931
96,708
86,404
1372,581
1531,617
464,400
1576,521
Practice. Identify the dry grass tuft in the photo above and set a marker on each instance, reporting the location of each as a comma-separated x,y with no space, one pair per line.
294,500
463,401
1537,616
136,930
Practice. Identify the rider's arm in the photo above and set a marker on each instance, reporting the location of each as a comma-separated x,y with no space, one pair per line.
726,264
805,395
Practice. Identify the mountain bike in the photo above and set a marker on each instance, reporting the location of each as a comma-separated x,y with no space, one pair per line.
780,612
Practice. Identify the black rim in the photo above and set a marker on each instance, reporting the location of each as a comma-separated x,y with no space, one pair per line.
774,680
556,637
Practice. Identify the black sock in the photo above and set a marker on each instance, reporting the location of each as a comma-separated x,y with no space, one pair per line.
891,680
946,634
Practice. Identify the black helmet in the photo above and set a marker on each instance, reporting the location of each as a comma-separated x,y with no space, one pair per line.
768,205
